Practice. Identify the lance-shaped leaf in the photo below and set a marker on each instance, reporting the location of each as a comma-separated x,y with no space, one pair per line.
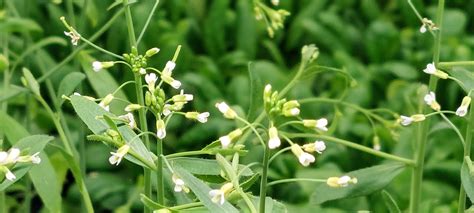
369,180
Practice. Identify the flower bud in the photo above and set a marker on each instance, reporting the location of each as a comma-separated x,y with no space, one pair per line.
151,52
133,107
273,141
226,110
304,158
309,53
462,110
160,129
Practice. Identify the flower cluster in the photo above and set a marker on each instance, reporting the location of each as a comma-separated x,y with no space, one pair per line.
274,19
12,157
427,24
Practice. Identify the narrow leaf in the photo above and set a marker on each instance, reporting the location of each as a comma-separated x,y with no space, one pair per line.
369,180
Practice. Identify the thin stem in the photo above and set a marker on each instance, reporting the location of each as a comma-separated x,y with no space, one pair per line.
422,131
101,49
279,153
160,191
296,180
140,100
185,154
352,145
454,128
96,35
455,63
253,129
148,20
263,182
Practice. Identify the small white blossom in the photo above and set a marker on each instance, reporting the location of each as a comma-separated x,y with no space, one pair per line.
201,117
226,110
9,175
151,79
169,67
142,71
430,68
303,157
422,28
175,84
129,119
35,159
96,66
342,181
218,195
430,99
167,109
275,2
116,157
405,120
75,37
225,141
274,140
160,129
179,184
320,146
321,124
462,110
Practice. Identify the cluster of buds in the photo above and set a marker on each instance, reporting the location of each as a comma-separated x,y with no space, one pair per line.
342,181
219,195
12,157
274,106
137,61
273,18
427,24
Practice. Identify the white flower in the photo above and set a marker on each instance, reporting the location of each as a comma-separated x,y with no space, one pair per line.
3,157
12,156
182,97
106,101
274,140
430,68
151,79
167,109
462,110
377,147
129,119
321,124
306,158
160,129
405,120
225,141
96,66
9,175
343,181
226,110
275,2
175,84
430,99
319,146
179,184
218,195
35,159
75,37
132,107
290,108
169,67
201,117
142,71
117,156
423,28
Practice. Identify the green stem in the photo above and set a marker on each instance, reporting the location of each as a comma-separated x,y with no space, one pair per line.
82,46
467,154
422,131
148,20
160,191
263,182
455,63
296,180
140,100
189,153
351,145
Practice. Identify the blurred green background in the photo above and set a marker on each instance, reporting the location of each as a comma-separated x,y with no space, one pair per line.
377,42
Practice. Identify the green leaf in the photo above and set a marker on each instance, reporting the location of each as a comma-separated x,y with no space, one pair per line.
31,82
467,181
68,84
369,180
465,76
271,205
201,191
32,144
401,70
88,111
256,92
199,166
390,202
43,175
13,24
150,203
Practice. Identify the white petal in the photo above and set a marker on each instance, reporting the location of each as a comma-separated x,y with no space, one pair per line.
461,112
320,146
225,141
274,143
203,117
96,66
161,133
3,157
176,84
10,176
